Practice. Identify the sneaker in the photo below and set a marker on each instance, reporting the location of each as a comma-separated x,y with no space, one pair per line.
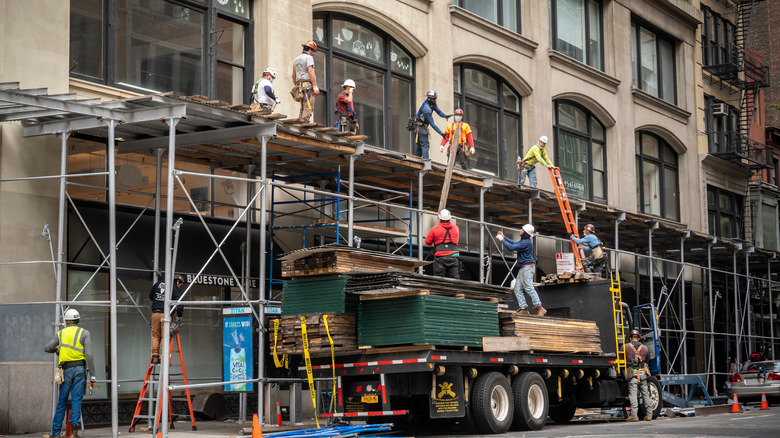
648,417
632,419
540,311
155,359
521,312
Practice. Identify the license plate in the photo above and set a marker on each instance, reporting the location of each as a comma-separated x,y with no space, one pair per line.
370,399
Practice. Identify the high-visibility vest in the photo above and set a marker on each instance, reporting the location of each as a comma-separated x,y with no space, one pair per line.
71,347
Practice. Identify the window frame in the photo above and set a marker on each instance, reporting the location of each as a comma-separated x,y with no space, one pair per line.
588,53
209,38
722,131
715,49
663,164
734,212
638,24
499,14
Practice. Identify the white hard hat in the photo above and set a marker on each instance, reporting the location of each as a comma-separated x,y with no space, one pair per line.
528,228
72,315
445,215
349,83
270,71
543,139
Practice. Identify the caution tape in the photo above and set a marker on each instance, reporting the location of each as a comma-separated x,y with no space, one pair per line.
285,362
332,359
309,374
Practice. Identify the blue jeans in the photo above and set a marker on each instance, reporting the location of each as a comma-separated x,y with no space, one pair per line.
531,172
423,144
526,281
74,384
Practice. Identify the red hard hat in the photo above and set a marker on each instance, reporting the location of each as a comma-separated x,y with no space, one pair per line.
590,228
311,45
634,333
458,112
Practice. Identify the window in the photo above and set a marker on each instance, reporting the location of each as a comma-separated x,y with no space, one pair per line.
722,126
492,108
653,62
657,180
576,30
580,151
718,39
382,71
769,222
724,213
163,45
502,12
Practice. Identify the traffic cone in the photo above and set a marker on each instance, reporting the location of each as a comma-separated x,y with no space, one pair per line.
256,431
764,404
278,414
735,405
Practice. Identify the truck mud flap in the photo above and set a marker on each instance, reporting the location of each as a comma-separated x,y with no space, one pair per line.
447,394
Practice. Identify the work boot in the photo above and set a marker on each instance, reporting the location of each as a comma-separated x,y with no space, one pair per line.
522,311
632,419
74,431
648,417
540,311
155,359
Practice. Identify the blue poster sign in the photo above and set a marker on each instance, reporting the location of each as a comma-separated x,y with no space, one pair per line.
237,357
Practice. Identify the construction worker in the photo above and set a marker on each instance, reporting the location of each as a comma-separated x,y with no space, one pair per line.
345,108
263,91
637,373
446,261
157,295
596,258
73,344
537,154
465,136
305,81
525,258
424,118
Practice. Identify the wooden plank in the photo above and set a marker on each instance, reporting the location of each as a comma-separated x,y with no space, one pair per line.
386,296
506,343
274,116
357,137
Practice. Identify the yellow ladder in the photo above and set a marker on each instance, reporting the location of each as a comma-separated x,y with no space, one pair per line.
617,316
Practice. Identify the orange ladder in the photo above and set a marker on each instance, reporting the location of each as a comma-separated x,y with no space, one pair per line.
151,379
568,217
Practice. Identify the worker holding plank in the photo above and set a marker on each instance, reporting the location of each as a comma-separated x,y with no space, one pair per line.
452,130
525,258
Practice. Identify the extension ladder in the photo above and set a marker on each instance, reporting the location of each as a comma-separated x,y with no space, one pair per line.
568,217
617,316
152,379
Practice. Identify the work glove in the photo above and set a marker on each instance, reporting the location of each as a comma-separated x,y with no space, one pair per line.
472,151
443,135
447,116
500,236
92,380
316,90
571,236
278,101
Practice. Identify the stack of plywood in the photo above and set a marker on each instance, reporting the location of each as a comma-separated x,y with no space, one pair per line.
317,295
393,282
554,334
342,331
338,259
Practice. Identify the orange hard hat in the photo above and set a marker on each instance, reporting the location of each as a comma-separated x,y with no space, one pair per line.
458,112
310,45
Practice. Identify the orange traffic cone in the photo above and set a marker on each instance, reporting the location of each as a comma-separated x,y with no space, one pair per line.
764,404
256,431
735,405
278,414
159,435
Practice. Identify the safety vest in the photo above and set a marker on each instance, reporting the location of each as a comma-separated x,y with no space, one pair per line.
71,347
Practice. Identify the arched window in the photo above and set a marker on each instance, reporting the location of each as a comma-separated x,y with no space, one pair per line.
382,70
580,151
657,178
492,108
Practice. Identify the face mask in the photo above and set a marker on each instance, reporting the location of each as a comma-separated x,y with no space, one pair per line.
271,80
458,118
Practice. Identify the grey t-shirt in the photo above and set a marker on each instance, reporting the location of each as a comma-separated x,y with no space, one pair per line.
302,63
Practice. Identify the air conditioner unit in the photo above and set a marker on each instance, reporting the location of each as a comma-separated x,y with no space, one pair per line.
720,109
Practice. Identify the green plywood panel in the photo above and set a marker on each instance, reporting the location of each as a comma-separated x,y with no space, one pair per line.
317,295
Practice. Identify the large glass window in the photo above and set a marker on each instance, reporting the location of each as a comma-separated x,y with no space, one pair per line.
580,151
163,45
502,12
657,181
724,213
769,220
492,108
577,30
718,39
382,71
653,62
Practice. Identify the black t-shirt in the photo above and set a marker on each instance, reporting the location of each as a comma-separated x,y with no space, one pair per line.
157,295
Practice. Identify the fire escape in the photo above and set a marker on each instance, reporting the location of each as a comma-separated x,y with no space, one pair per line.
729,66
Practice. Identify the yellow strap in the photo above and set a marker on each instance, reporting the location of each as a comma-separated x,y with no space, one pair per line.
332,360
284,362
309,374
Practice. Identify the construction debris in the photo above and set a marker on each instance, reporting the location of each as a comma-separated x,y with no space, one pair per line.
553,334
568,277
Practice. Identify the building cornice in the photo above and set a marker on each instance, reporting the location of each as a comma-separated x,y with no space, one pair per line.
682,10
479,26
659,105
583,71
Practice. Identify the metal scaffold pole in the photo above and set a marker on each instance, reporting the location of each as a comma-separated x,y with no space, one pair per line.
262,275
60,248
111,148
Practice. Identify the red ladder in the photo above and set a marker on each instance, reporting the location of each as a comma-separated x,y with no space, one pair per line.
151,379
568,217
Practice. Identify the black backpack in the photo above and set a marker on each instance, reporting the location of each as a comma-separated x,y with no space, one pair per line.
411,124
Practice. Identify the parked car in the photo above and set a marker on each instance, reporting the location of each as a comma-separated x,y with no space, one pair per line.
755,379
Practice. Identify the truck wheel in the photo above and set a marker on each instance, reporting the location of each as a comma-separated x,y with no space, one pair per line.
531,401
655,403
562,413
492,405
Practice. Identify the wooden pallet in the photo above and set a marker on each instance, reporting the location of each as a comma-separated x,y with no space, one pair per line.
554,334
342,328
338,263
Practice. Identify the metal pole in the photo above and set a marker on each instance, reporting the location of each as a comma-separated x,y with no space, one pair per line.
712,311
351,202
262,284
482,234
60,245
771,316
747,310
620,219
737,330
420,239
110,147
157,193
251,187
682,306
168,278
650,264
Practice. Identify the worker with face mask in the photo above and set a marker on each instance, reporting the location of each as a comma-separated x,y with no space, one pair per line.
263,92
466,136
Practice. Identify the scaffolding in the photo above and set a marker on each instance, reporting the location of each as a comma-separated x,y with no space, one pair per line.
703,285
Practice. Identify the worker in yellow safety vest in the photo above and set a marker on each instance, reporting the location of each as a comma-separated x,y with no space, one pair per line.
74,347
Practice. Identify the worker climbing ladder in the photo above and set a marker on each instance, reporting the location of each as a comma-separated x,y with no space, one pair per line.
152,385
617,316
568,217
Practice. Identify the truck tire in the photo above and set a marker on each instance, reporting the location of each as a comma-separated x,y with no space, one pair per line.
656,401
562,413
531,401
492,405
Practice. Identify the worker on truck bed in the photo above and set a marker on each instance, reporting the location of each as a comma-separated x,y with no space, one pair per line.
446,261
73,344
525,258
637,373
596,258
463,152
526,165
157,295
424,118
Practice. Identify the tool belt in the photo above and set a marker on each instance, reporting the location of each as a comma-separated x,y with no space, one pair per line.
449,246
597,252
73,363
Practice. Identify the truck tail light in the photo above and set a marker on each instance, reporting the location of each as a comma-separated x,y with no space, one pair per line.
773,376
735,378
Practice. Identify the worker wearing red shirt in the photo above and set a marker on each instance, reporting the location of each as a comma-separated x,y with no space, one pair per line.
444,237
465,137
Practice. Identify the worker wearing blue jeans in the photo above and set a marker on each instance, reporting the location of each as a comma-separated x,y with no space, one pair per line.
525,258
